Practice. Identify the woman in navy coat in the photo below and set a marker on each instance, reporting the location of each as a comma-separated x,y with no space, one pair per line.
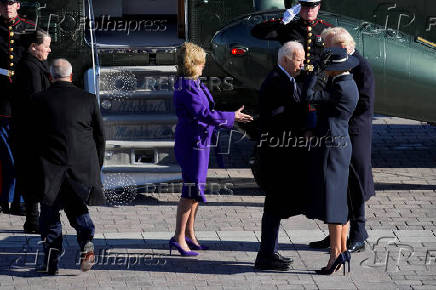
338,101
196,122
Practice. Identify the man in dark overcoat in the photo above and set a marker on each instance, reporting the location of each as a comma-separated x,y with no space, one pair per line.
281,121
70,150
12,48
305,28
360,183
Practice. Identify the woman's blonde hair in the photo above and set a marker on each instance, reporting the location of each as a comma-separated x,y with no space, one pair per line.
339,35
191,55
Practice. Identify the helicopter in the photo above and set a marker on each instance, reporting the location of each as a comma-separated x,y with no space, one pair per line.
125,52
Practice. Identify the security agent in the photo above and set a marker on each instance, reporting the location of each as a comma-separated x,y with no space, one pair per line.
12,47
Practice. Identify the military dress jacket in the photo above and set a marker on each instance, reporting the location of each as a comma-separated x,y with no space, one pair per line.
305,32
360,128
69,143
12,48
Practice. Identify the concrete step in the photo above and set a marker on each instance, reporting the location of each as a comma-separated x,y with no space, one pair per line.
140,155
139,127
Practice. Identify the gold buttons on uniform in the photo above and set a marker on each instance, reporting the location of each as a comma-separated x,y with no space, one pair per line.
12,73
11,64
11,49
309,28
308,61
11,57
309,41
12,41
308,55
11,34
10,27
308,48
310,34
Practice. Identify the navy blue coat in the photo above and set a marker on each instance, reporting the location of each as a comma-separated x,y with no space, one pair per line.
361,179
337,103
280,153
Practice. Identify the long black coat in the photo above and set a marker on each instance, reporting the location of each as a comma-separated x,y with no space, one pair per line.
338,102
361,181
70,142
281,119
32,77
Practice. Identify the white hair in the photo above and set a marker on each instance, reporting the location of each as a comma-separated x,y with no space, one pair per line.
339,35
288,50
61,68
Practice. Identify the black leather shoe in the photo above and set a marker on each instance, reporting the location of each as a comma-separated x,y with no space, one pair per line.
18,209
271,263
283,258
356,247
323,244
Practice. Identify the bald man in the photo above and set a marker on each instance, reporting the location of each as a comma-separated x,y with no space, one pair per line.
70,150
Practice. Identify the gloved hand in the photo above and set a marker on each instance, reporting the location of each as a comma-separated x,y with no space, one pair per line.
291,13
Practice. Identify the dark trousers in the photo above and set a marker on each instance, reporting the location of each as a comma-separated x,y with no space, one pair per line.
51,227
356,206
270,234
7,163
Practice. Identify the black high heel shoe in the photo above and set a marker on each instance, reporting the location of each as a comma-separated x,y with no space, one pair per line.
343,258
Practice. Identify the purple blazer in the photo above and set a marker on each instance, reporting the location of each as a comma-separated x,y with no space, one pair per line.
196,122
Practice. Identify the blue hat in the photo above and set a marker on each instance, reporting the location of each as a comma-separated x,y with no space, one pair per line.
337,59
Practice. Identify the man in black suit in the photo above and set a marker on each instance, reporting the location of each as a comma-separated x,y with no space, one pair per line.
360,182
70,151
281,119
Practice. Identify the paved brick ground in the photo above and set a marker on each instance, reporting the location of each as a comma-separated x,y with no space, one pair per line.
131,240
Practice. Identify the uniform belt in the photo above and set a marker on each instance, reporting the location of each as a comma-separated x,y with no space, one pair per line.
5,72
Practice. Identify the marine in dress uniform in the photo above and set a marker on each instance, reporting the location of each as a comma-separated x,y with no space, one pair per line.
12,28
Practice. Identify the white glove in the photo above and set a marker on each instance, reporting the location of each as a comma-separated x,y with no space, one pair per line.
291,13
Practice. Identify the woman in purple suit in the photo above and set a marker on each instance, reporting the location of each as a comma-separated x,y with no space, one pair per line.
196,121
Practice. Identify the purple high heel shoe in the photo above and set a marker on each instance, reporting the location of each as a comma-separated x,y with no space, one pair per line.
172,243
193,246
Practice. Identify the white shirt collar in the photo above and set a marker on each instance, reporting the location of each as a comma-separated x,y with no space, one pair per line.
342,74
286,73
